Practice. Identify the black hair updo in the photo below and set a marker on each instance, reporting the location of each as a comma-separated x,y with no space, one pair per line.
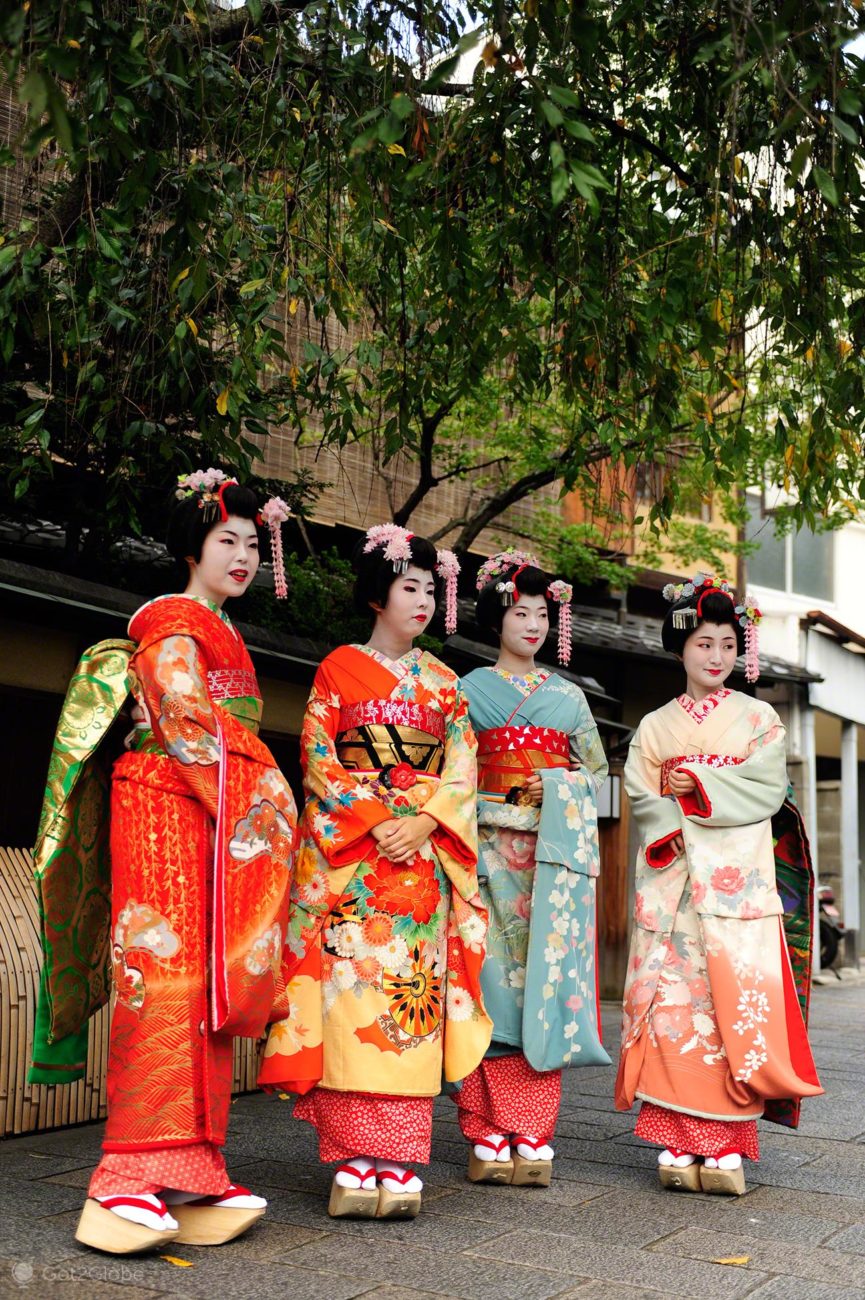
489,610
374,573
189,523
715,607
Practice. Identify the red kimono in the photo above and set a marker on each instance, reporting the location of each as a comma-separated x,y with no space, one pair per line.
202,835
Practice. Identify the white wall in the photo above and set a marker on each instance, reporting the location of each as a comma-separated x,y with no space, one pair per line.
780,633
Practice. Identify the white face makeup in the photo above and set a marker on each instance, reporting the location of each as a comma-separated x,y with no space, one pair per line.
525,625
410,605
229,561
709,656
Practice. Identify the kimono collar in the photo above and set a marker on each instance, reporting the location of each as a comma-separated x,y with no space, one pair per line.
699,710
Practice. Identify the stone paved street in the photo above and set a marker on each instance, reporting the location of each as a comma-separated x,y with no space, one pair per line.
603,1231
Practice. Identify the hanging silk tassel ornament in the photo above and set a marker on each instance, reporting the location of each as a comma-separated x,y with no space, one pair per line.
448,568
562,593
274,513
752,652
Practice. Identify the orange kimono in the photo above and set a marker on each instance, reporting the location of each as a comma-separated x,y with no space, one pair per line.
202,836
383,959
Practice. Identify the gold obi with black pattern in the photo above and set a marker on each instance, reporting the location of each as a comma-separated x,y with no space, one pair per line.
376,734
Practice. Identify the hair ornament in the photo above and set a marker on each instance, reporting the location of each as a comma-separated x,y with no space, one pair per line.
747,614
563,593
396,542
274,514
502,563
208,485
448,568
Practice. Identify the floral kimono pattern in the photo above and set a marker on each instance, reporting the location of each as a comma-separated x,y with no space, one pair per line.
538,866
202,834
383,959
537,869
712,1025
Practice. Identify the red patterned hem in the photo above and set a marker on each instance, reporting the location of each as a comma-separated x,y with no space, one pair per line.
506,1095
195,1168
360,1124
697,1136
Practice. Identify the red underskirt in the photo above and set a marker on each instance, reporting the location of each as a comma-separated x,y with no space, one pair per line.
506,1095
697,1136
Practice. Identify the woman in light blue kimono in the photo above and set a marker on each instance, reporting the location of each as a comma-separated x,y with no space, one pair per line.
540,766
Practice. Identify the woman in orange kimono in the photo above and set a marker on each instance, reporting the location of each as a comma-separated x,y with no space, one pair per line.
714,1034
202,830
386,929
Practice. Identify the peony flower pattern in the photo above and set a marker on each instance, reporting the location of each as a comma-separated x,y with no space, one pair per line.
139,926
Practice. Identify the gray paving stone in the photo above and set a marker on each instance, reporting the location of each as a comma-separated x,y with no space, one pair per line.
797,1288
396,1293
20,1162
20,1277
311,1212
793,1200
525,1204
814,1263
852,1239
636,1220
672,1274
214,1271
37,1198
610,1291
453,1274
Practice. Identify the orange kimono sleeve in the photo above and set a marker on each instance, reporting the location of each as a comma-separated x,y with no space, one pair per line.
171,683
454,803
340,813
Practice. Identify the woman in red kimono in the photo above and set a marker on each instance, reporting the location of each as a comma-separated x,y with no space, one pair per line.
202,831
386,929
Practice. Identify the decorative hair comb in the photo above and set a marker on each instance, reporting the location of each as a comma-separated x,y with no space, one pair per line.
396,542
208,485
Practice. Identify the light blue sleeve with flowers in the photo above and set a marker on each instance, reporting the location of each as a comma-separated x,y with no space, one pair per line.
560,1013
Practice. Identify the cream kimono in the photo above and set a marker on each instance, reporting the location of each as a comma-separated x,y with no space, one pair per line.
712,1024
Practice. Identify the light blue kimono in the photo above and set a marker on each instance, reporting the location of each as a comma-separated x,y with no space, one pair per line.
537,870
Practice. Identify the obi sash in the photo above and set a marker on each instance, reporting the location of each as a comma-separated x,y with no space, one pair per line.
375,734
231,683
507,755
707,760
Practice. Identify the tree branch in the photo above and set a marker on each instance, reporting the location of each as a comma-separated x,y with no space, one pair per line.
457,89
523,487
426,478
228,25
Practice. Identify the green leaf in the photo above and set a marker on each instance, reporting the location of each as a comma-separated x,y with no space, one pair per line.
251,286
826,185
579,130
799,158
844,129
563,95
559,185
554,115
34,91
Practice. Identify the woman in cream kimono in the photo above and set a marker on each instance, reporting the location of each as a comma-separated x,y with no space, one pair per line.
713,1034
